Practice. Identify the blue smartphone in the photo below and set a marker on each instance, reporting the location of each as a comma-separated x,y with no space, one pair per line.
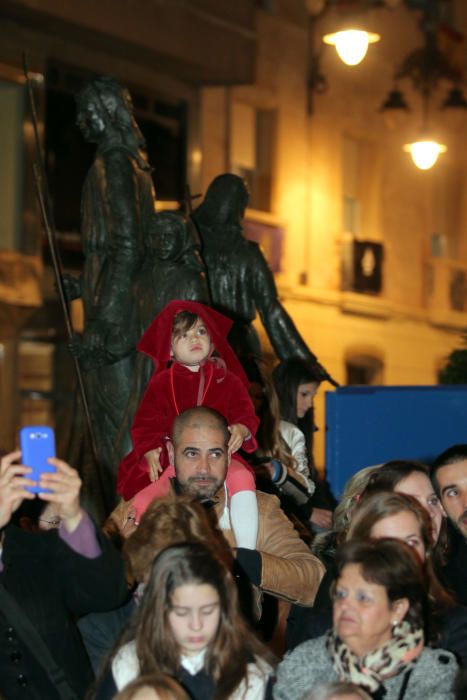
37,444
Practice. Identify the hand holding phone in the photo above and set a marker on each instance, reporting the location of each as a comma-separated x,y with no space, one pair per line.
14,480
37,443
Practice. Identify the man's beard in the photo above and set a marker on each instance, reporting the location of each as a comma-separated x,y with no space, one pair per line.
462,523
195,489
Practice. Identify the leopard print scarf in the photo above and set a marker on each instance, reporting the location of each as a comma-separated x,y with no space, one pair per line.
398,654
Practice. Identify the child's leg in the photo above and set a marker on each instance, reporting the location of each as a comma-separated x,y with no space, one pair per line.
158,489
243,504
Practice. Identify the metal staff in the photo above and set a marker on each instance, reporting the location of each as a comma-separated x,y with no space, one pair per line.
47,219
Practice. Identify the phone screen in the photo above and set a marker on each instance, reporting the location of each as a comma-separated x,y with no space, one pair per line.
37,443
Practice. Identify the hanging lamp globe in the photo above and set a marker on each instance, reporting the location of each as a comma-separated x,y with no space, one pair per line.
425,152
351,44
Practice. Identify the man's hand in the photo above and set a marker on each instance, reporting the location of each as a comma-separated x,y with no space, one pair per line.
238,434
65,485
154,464
122,519
13,482
322,518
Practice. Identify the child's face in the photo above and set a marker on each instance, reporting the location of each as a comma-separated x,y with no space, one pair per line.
193,346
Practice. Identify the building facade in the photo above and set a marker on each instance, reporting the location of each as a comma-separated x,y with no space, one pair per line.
370,254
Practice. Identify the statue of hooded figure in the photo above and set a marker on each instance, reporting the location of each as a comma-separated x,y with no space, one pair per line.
239,279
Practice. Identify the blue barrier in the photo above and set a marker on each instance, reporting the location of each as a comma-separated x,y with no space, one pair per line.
372,424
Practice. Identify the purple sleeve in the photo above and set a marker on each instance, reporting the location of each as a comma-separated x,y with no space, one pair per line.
83,540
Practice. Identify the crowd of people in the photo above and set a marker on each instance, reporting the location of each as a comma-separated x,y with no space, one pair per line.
228,571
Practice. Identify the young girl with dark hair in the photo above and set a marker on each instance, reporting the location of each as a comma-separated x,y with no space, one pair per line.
188,626
296,383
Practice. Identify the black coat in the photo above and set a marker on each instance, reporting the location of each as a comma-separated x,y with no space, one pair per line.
53,585
454,574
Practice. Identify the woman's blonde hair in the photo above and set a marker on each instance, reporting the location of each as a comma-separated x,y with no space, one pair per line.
353,489
344,511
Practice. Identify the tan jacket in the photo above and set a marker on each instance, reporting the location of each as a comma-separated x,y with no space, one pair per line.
289,570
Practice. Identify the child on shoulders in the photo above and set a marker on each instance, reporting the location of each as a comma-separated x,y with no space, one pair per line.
194,366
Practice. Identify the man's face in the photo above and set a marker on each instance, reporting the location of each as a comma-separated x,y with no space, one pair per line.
201,459
452,480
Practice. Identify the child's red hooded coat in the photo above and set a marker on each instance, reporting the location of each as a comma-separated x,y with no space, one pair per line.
173,390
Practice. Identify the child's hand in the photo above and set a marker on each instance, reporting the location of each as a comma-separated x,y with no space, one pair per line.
238,434
152,458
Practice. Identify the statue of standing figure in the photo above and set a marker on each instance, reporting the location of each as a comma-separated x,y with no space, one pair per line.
239,278
117,209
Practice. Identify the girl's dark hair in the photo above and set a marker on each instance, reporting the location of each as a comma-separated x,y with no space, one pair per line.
287,377
233,648
182,322
388,476
393,565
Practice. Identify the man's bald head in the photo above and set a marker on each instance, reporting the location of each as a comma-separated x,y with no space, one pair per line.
199,417
200,452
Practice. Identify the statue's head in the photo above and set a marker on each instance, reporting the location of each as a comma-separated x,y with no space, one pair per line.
105,111
225,201
168,235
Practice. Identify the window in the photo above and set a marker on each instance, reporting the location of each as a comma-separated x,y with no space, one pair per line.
252,140
363,370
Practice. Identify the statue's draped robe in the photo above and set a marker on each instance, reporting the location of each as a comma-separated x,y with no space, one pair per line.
117,207
241,284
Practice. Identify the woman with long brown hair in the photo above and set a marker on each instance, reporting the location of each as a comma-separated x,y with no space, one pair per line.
188,626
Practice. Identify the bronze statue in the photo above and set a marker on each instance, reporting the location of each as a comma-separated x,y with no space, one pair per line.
117,209
172,269
239,279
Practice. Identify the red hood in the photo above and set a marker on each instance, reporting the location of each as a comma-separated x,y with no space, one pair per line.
156,339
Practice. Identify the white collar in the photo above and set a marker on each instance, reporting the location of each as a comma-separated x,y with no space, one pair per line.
125,665
224,520
195,663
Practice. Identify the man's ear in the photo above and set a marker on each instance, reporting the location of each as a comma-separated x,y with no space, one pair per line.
171,452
